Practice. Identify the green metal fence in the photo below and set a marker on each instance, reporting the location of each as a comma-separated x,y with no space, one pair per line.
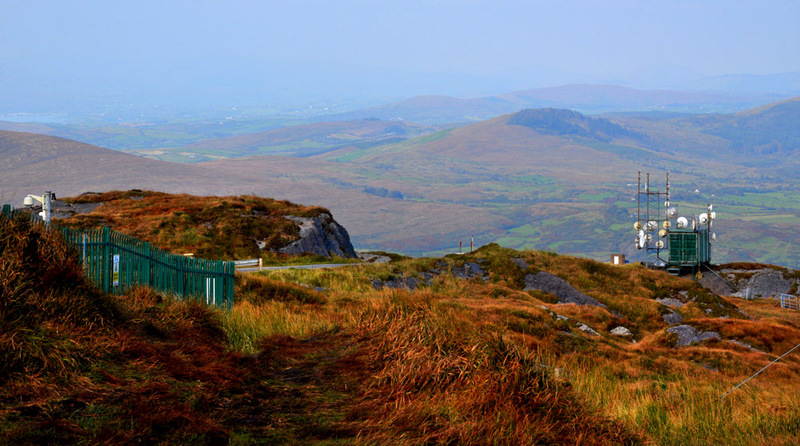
115,262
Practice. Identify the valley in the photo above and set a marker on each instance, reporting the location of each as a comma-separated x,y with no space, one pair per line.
545,179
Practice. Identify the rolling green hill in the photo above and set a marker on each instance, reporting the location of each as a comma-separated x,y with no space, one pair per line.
307,139
543,179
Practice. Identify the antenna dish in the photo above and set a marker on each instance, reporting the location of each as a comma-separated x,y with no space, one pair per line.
637,226
640,240
660,244
714,236
682,223
651,225
703,218
662,233
672,212
666,224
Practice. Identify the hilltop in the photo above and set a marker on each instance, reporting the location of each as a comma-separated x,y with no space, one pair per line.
498,346
585,98
224,228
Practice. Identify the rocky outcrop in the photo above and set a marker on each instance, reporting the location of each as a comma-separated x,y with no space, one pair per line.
672,318
688,335
566,293
320,235
765,282
399,282
621,331
469,271
62,209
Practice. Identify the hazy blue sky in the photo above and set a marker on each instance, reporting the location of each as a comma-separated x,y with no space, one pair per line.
309,48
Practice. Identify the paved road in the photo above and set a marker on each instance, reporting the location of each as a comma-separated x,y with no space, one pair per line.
316,266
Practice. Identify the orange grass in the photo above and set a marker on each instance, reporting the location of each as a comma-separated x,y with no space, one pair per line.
211,227
453,362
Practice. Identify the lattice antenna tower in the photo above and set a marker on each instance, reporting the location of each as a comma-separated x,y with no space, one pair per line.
653,212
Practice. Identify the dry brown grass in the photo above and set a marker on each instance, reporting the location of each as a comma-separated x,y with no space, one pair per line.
454,362
211,227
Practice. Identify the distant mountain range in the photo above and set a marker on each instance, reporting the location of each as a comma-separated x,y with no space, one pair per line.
583,98
540,178
418,114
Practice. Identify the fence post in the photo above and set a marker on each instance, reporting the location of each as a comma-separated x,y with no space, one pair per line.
106,260
230,271
147,264
180,276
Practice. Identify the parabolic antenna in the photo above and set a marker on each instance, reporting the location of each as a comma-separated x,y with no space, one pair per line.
667,224
682,223
651,225
672,212
640,240
660,244
637,226
662,233
703,218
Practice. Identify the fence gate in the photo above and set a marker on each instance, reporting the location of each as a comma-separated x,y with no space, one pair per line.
789,302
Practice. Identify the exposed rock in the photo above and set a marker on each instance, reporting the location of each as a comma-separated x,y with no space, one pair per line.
566,293
621,331
716,285
61,209
587,329
672,318
688,335
320,235
670,302
373,258
766,282
400,282
469,270
521,263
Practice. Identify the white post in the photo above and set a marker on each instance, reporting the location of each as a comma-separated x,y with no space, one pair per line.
46,207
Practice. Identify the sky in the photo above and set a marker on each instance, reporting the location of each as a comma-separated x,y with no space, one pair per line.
57,53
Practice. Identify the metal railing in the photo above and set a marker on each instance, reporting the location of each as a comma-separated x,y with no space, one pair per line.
116,262
250,263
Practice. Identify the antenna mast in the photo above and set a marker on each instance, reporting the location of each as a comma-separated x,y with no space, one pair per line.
652,225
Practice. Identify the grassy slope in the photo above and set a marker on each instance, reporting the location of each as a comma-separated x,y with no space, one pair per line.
430,371
83,366
455,362
209,227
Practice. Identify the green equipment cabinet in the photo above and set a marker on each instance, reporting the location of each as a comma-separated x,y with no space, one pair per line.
688,250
